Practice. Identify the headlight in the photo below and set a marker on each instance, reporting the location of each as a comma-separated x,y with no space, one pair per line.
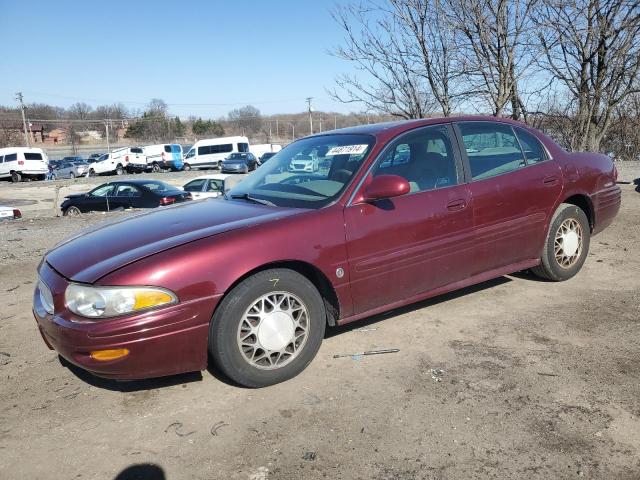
46,299
105,302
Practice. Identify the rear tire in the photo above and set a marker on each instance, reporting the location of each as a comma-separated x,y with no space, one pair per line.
119,170
16,177
72,175
92,173
268,328
566,246
186,167
155,168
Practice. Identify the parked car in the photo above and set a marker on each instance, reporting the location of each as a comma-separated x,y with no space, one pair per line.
123,195
266,156
105,164
207,186
132,158
304,162
73,159
254,280
17,163
9,213
67,169
239,163
210,152
164,157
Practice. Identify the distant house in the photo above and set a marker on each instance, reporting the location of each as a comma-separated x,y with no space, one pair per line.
57,135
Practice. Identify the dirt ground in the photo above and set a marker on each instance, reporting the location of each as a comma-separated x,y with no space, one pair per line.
514,378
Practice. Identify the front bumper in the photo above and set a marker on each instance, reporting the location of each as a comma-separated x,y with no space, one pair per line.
161,342
234,169
137,167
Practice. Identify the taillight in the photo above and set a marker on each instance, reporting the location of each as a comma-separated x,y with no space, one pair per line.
162,156
17,213
20,162
126,158
167,200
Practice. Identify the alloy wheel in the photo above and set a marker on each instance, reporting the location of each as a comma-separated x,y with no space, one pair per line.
568,243
273,330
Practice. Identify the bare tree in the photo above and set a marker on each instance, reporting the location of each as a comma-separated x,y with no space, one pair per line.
499,47
246,119
378,48
592,49
80,111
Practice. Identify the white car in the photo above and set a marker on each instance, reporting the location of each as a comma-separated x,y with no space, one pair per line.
9,213
23,162
207,186
304,163
105,164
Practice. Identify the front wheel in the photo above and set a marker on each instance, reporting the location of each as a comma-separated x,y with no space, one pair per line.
567,244
268,328
71,212
16,177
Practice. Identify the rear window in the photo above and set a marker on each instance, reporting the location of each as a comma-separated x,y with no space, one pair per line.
136,150
160,187
243,147
167,148
12,157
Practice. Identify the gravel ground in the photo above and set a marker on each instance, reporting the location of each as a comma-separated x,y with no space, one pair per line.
513,378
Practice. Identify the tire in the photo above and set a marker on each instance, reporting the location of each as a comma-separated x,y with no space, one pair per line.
119,170
186,167
231,321
16,177
569,234
92,173
71,211
155,168
72,175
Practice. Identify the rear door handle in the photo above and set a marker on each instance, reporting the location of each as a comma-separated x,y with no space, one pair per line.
455,205
550,181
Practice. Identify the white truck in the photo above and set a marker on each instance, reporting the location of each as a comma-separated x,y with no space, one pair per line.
117,161
22,162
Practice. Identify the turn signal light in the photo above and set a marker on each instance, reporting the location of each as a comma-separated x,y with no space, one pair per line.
106,355
167,200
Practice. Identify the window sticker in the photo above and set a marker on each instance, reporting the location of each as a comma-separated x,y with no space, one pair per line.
348,150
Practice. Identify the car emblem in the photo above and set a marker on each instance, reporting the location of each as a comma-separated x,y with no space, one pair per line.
340,272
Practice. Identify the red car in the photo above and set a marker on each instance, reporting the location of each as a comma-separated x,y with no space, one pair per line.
396,213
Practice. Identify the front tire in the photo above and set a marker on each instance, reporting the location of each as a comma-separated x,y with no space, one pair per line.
268,328
16,177
71,211
567,244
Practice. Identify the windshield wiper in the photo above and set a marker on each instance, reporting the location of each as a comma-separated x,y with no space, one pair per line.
246,196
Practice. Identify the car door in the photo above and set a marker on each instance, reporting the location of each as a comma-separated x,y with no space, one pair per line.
126,196
98,199
512,198
214,188
404,246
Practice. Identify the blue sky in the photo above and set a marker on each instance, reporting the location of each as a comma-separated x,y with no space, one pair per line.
271,54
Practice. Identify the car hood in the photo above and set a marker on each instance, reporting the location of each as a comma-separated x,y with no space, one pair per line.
98,251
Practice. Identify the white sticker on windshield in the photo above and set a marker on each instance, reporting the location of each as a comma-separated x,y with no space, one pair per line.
348,150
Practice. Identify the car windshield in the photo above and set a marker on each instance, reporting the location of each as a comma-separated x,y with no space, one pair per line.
309,173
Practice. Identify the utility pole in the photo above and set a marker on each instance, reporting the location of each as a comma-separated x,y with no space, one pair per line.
310,117
106,125
335,122
24,119
277,129
320,127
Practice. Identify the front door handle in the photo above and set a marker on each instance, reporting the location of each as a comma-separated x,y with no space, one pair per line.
455,205
550,181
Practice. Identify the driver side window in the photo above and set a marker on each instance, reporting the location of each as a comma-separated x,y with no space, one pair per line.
424,158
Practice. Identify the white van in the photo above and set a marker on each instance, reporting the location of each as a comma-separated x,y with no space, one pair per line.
23,162
209,153
165,156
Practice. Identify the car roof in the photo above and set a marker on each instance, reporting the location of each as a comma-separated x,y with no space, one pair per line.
213,176
393,128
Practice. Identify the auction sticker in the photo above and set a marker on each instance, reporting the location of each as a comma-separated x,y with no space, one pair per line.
348,150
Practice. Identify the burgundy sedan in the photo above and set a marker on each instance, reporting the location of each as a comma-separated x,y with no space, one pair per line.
396,213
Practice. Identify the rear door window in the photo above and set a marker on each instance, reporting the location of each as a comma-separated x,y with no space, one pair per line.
195,185
128,191
534,152
32,156
204,150
12,157
215,185
492,149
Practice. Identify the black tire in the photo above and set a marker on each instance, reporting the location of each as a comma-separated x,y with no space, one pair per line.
92,173
71,211
119,170
16,177
224,329
186,167
155,168
550,267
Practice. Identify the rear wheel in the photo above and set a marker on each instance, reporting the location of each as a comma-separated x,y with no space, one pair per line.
567,244
268,328
92,173
155,168
16,177
72,175
71,211
119,170
186,167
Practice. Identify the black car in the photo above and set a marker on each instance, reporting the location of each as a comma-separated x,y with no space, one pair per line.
239,163
266,156
122,195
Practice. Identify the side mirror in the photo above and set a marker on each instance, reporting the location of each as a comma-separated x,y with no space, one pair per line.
386,186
